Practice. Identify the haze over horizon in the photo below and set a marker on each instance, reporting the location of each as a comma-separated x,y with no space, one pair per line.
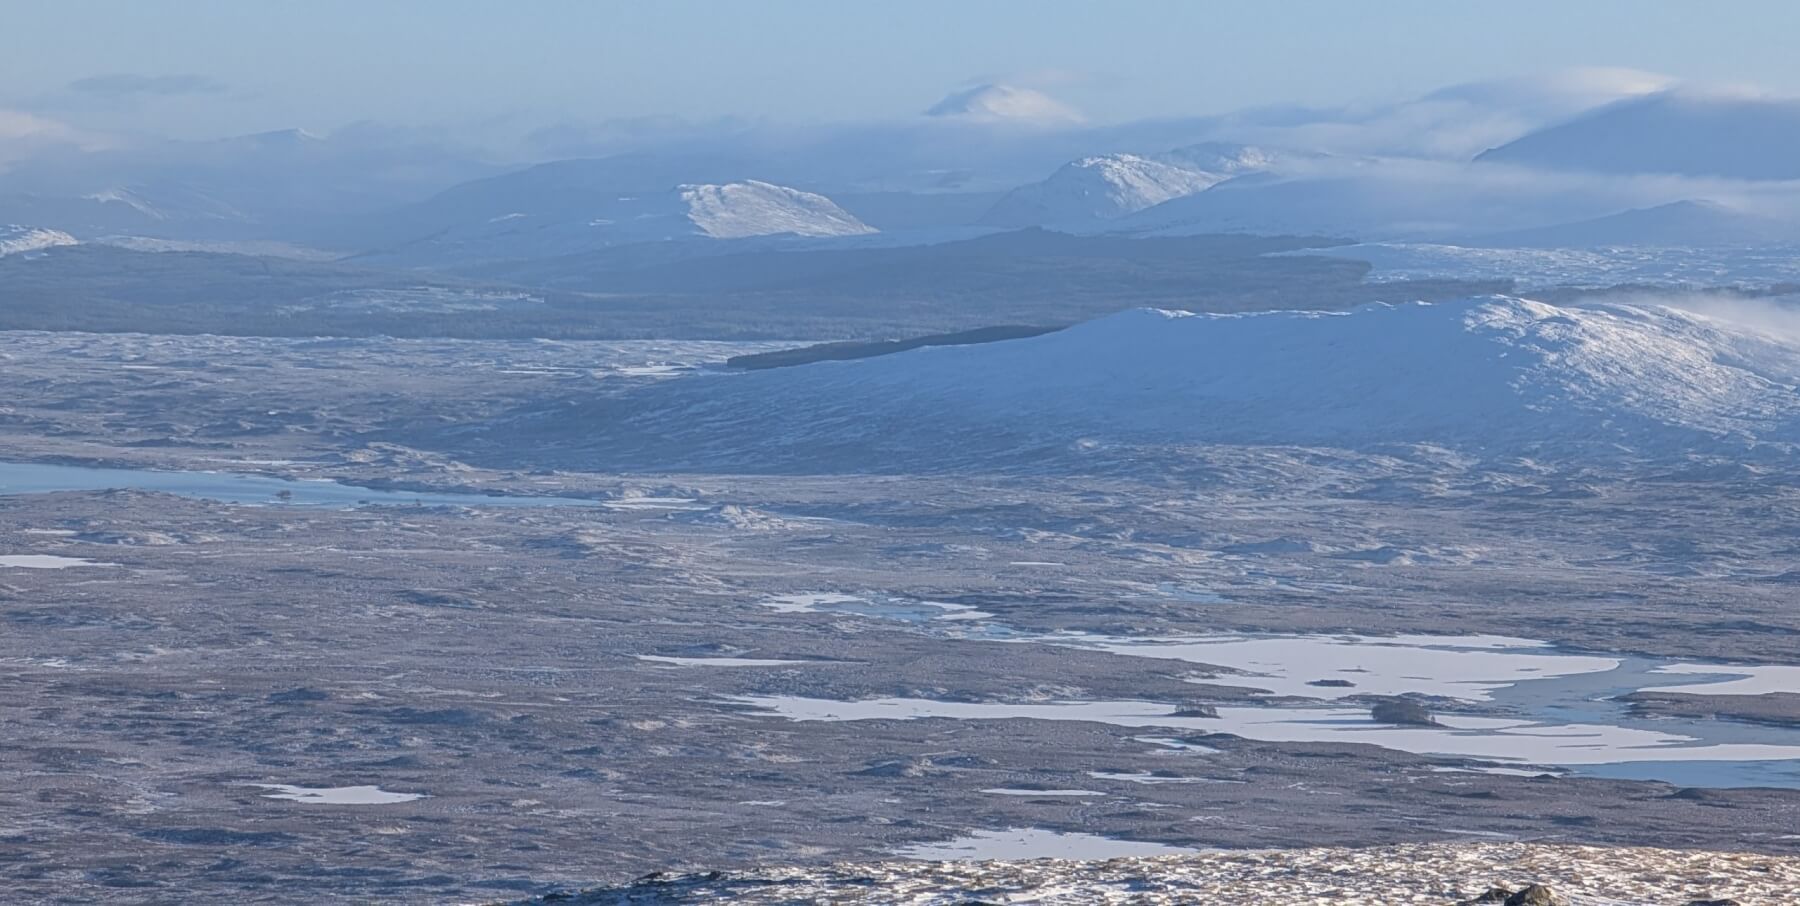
511,81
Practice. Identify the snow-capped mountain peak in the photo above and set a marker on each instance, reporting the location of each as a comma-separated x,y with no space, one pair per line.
997,103
1105,187
753,208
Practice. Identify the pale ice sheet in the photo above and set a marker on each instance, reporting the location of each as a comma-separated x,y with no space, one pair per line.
336,795
721,661
1487,769
1750,681
1461,667
1149,779
654,503
45,561
1488,738
902,609
1033,843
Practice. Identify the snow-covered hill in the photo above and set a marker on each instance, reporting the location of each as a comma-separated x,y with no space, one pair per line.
752,208
1494,377
1671,132
1109,186
738,210
276,184
19,240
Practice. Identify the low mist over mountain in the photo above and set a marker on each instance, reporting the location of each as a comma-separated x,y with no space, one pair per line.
268,185
1005,104
1691,134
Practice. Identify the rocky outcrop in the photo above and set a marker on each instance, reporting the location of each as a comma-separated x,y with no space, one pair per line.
1402,712
1537,895
1462,874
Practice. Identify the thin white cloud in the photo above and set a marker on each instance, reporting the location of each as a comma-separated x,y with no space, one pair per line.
129,84
24,135
1452,123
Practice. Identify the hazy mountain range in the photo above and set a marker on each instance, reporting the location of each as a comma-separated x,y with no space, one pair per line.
1591,157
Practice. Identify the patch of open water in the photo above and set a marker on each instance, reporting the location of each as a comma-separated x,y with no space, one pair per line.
40,478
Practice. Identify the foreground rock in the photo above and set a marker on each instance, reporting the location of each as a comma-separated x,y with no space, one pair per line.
1402,712
1512,874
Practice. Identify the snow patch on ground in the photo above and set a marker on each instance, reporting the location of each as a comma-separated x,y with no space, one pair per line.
20,240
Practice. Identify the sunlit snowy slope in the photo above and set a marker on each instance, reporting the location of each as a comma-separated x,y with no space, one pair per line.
1494,376
17,240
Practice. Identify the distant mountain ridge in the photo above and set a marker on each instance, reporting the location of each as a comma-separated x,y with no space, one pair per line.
547,226
1749,138
1677,224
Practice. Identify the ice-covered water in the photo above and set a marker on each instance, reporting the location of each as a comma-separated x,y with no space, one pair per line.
1491,738
1521,740
1462,667
39,478
336,795
1749,680
1033,843
880,607
721,661
1148,779
45,561
1542,706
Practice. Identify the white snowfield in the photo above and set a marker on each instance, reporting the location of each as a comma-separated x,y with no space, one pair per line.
19,240
1496,376
751,208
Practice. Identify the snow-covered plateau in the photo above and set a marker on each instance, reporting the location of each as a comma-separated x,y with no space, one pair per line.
1493,376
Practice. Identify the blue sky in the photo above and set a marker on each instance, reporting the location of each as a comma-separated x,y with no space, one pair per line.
208,67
